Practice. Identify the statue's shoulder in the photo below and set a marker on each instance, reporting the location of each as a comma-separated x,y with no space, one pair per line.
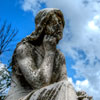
59,54
24,45
22,48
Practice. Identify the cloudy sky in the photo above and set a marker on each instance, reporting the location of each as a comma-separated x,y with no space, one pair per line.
81,38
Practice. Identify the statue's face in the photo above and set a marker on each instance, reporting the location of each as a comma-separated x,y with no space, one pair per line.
55,27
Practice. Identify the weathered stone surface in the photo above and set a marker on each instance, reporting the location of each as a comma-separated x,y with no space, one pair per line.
39,69
62,90
83,96
36,61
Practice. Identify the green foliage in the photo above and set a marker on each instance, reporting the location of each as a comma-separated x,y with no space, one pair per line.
4,81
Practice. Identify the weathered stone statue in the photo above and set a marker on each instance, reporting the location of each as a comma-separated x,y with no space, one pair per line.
39,70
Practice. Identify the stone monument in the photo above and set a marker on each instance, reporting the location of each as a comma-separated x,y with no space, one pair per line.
39,70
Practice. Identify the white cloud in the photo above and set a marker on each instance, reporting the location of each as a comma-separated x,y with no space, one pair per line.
32,5
95,23
81,40
92,25
91,72
80,85
86,86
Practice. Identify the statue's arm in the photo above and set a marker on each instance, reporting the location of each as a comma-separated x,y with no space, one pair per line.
28,67
49,43
26,63
63,69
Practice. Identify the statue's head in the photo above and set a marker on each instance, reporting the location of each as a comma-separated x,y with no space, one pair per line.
49,21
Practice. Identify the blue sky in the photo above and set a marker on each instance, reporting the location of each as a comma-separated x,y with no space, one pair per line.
81,39
11,11
23,22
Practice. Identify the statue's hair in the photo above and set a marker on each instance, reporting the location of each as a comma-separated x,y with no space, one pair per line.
41,20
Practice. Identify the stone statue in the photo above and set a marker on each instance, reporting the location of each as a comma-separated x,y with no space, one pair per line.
37,63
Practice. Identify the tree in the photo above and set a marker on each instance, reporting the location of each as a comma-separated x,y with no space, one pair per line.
7,36
4,81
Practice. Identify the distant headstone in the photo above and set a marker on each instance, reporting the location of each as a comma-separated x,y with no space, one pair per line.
83,96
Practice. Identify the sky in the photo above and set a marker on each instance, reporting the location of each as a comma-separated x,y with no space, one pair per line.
81,36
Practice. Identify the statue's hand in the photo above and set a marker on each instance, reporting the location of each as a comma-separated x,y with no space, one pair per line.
49,43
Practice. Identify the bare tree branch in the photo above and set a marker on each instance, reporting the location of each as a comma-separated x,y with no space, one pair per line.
6,37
